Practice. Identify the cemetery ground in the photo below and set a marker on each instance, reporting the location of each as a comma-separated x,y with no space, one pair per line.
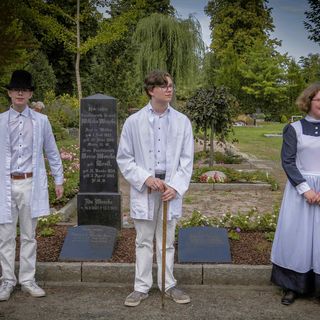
251,247
103,300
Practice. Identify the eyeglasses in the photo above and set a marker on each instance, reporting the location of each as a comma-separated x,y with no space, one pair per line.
169,87
20,90
316,100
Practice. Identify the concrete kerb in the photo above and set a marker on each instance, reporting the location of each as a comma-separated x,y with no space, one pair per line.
123,273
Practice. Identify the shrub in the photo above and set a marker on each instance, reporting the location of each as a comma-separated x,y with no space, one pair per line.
236,223
64,110
46,223
70,160
237,176
219,157
283,119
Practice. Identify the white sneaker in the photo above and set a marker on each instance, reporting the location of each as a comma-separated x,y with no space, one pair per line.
33,289
6,288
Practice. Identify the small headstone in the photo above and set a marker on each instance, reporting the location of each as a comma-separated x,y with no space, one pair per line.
88,243
203,245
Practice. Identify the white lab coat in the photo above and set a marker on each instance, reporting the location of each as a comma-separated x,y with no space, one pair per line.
43,139
136,160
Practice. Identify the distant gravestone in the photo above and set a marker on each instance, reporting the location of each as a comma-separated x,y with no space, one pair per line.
88,243
203,245
98,200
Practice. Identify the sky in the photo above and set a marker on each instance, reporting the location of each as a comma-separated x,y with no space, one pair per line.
288,17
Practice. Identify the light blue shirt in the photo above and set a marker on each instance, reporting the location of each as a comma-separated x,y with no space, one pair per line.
42,141
21,140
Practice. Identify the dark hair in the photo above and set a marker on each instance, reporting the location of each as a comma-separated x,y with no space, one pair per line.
156,78
304,100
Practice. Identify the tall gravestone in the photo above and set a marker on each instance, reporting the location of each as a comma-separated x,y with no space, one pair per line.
98,198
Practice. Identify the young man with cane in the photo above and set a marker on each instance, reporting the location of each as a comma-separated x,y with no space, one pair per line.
24,135
155,156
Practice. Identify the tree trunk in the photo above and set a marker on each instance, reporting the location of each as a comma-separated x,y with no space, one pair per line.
205,139
77,66
211,159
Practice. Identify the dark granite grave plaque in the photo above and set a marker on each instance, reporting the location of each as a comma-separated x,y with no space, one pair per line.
98,198
88,243
203,244
99,208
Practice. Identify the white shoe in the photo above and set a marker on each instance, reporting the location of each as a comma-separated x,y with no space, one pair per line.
6,288
33,289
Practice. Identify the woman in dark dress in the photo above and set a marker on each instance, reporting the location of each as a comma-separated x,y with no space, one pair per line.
296,248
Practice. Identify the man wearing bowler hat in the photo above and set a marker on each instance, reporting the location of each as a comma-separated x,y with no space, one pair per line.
24,134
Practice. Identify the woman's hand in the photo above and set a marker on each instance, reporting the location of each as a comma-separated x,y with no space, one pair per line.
312,197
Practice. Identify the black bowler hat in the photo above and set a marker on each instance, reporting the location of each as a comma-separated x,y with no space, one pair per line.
21,79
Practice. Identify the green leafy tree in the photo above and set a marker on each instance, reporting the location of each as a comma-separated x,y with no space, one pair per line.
145,7
294,85
14,41
168,43
263,76
240,30
112,67
310,68
43,75
313,23
238,24
212,109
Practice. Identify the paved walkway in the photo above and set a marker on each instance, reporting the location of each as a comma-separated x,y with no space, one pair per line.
106,302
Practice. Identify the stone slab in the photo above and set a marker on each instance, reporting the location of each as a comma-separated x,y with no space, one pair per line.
88,243
203,245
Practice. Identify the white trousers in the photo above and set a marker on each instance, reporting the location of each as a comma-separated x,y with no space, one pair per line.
20,208
146,230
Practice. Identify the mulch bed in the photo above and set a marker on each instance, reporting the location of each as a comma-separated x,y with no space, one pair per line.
252,248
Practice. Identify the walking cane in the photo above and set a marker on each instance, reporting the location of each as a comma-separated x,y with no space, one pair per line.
164,249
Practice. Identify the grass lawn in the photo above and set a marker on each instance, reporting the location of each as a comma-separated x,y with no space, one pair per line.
251,140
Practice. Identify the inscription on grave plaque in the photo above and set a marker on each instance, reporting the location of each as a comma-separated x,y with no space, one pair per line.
85,243
203,244
98,144
101,209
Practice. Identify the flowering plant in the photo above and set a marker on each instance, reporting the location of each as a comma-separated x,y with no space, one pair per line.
46,223
237,223
71,164
216,178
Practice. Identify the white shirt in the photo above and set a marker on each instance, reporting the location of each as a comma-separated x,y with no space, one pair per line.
160,129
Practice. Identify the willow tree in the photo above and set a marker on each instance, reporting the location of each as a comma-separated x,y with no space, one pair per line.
171,44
